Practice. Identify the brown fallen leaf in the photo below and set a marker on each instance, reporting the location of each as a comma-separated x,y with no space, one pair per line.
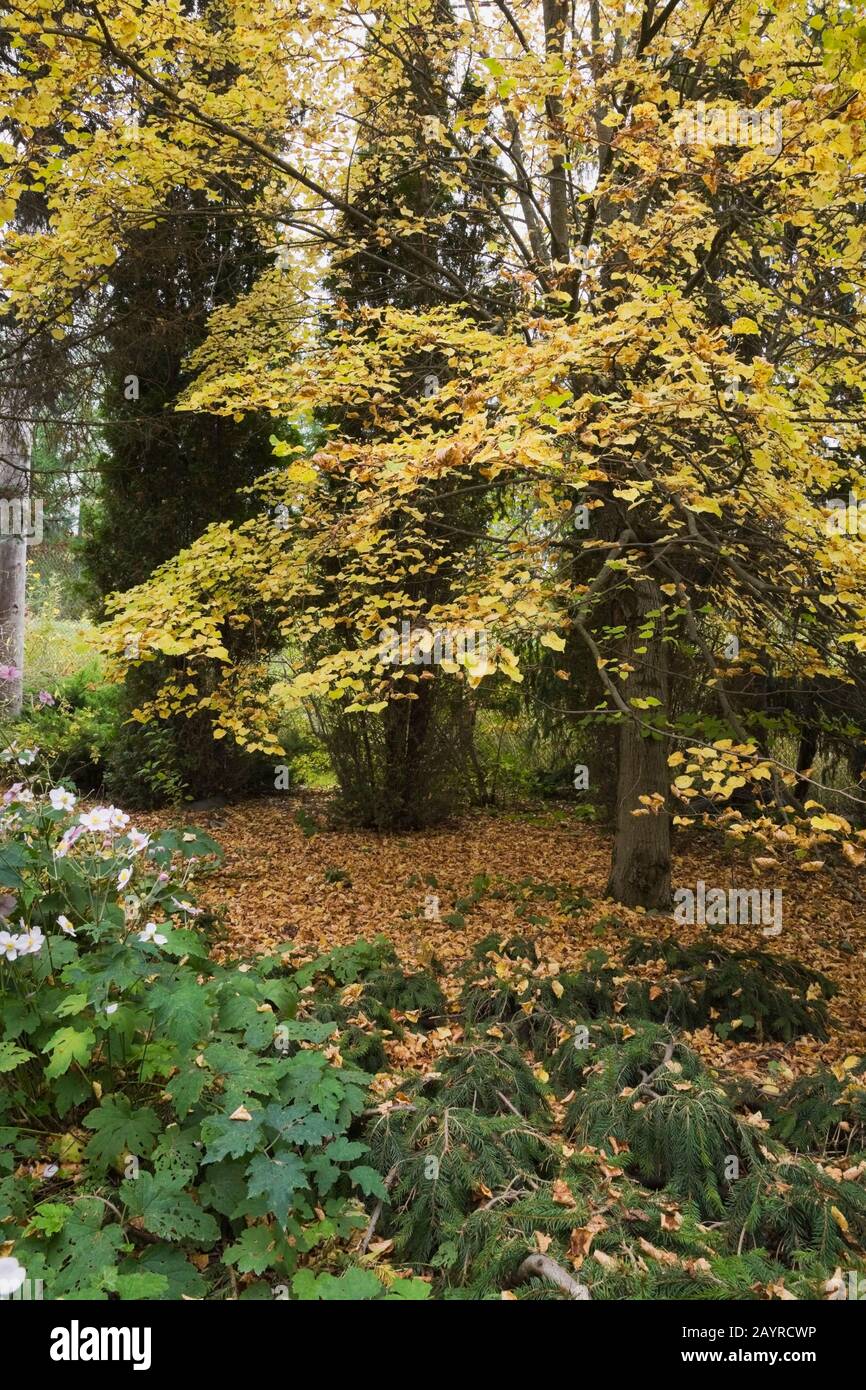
606,1261
665,1257
380,1247
779,1291
835,1287
580,1240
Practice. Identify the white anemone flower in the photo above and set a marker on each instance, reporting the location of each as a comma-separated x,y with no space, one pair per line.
30,941
152,933
12,1276
61,799
9,947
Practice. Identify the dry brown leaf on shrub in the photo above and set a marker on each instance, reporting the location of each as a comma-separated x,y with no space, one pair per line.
665,1257
779,1291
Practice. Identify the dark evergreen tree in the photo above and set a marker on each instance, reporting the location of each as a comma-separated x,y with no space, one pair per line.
166,474
414,763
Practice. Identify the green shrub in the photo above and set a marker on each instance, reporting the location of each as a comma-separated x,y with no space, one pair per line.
439,1160
749,994
569,1064
142,767
509,991
84,737
489,1079
391,988
654,1097
346,965
155,1104
363,1047
743,994
75,733
822,1112
795,1209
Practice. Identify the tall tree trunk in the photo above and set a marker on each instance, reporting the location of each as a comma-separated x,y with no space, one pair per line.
15,499
641,867
556,14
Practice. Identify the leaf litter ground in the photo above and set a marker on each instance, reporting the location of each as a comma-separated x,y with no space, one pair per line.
317,888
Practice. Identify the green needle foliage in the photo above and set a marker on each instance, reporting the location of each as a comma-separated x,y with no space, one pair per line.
655,1096
490,1079
485,1252
794,1208
578,1050
386,988
391,988
385,993
442,1160
750,993
502,989
821,1113
363,1048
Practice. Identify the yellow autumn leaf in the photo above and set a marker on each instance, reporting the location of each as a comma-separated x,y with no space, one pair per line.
830,822
839,1218
704,504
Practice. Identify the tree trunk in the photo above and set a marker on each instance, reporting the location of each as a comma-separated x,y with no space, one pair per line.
14,523
555,19
641,868
806,754
406,769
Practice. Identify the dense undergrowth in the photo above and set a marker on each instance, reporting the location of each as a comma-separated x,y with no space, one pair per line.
176,1127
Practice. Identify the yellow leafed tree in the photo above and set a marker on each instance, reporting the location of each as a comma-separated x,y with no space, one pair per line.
652,375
